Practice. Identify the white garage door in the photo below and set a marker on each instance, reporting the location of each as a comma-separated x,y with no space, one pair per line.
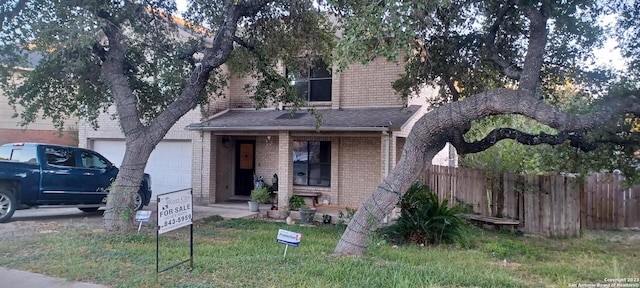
169,164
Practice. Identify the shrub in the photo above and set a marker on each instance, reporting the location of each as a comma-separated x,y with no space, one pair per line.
260,195
296,202
424,219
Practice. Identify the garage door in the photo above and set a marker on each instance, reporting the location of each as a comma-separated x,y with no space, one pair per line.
169,164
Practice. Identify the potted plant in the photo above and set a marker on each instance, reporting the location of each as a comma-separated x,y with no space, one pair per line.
258,195
307,215
296,202
326,218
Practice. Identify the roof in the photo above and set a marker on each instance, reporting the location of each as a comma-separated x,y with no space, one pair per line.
347,119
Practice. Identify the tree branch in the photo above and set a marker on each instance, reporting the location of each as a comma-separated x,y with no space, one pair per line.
509,69
530,76
445,119
498,134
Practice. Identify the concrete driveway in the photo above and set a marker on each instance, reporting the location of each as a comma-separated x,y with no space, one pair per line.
46,220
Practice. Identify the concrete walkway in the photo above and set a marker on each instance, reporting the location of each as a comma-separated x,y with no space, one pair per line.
24,279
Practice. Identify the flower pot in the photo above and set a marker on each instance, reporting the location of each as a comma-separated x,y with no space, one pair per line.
307,215
254,206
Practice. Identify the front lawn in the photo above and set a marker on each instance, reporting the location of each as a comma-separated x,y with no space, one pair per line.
244,253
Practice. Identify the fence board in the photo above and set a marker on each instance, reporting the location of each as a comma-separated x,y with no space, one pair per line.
557,205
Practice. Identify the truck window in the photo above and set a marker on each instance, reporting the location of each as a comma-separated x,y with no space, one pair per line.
19,154
92,160
5,152
60,156
25,155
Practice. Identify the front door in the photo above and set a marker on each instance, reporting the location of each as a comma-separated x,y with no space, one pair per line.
245,166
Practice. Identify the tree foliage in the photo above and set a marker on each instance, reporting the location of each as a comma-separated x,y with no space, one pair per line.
151,66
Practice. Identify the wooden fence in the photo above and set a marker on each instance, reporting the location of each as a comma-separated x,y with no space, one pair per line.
550,205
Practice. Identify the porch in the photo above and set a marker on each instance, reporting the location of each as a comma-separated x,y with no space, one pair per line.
240,209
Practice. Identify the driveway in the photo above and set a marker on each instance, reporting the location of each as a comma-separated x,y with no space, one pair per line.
25,223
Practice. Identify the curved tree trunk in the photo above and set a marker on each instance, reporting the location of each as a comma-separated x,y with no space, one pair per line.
141,139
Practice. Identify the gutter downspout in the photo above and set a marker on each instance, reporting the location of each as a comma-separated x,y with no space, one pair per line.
387,153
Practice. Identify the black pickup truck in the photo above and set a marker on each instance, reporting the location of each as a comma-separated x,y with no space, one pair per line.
34,174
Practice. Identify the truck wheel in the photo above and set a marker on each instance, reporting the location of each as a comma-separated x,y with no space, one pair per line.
8,205
138,202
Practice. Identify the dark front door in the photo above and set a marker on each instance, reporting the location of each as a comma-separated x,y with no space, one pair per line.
245,166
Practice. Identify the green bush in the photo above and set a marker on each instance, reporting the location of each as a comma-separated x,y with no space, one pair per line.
296,202
424,219
260,195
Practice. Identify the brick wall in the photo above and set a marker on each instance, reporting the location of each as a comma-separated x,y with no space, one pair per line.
224,167
358,86
41,130
267,157
110,128
359,168
367,86
69,138
238,97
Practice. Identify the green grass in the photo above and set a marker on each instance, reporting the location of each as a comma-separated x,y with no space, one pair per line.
244,253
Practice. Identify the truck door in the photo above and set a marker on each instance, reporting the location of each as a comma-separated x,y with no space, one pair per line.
64,178
98,172
59,180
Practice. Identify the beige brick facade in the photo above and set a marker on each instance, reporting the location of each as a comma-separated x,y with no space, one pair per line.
359,160
367,86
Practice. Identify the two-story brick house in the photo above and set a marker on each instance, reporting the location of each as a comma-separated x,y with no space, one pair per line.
42,129
364,128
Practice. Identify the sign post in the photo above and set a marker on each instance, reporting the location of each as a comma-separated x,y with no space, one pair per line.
175,210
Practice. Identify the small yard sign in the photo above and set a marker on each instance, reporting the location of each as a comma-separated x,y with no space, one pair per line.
142,216
288,238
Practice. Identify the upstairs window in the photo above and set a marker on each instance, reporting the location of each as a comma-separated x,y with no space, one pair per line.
313,82
312,163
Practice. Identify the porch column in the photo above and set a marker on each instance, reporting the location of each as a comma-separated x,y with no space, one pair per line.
202,163
285,171
393,151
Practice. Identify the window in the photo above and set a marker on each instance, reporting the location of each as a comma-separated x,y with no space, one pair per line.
58,156
313,82
93,161
25,155
312,163
19,154
5,153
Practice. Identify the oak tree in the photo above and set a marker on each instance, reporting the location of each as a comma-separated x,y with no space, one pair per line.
491,58
153,67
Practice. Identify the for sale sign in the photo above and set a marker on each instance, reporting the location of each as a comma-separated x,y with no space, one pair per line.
175,210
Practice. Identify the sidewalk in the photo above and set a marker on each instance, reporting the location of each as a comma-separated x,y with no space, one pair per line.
24,279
